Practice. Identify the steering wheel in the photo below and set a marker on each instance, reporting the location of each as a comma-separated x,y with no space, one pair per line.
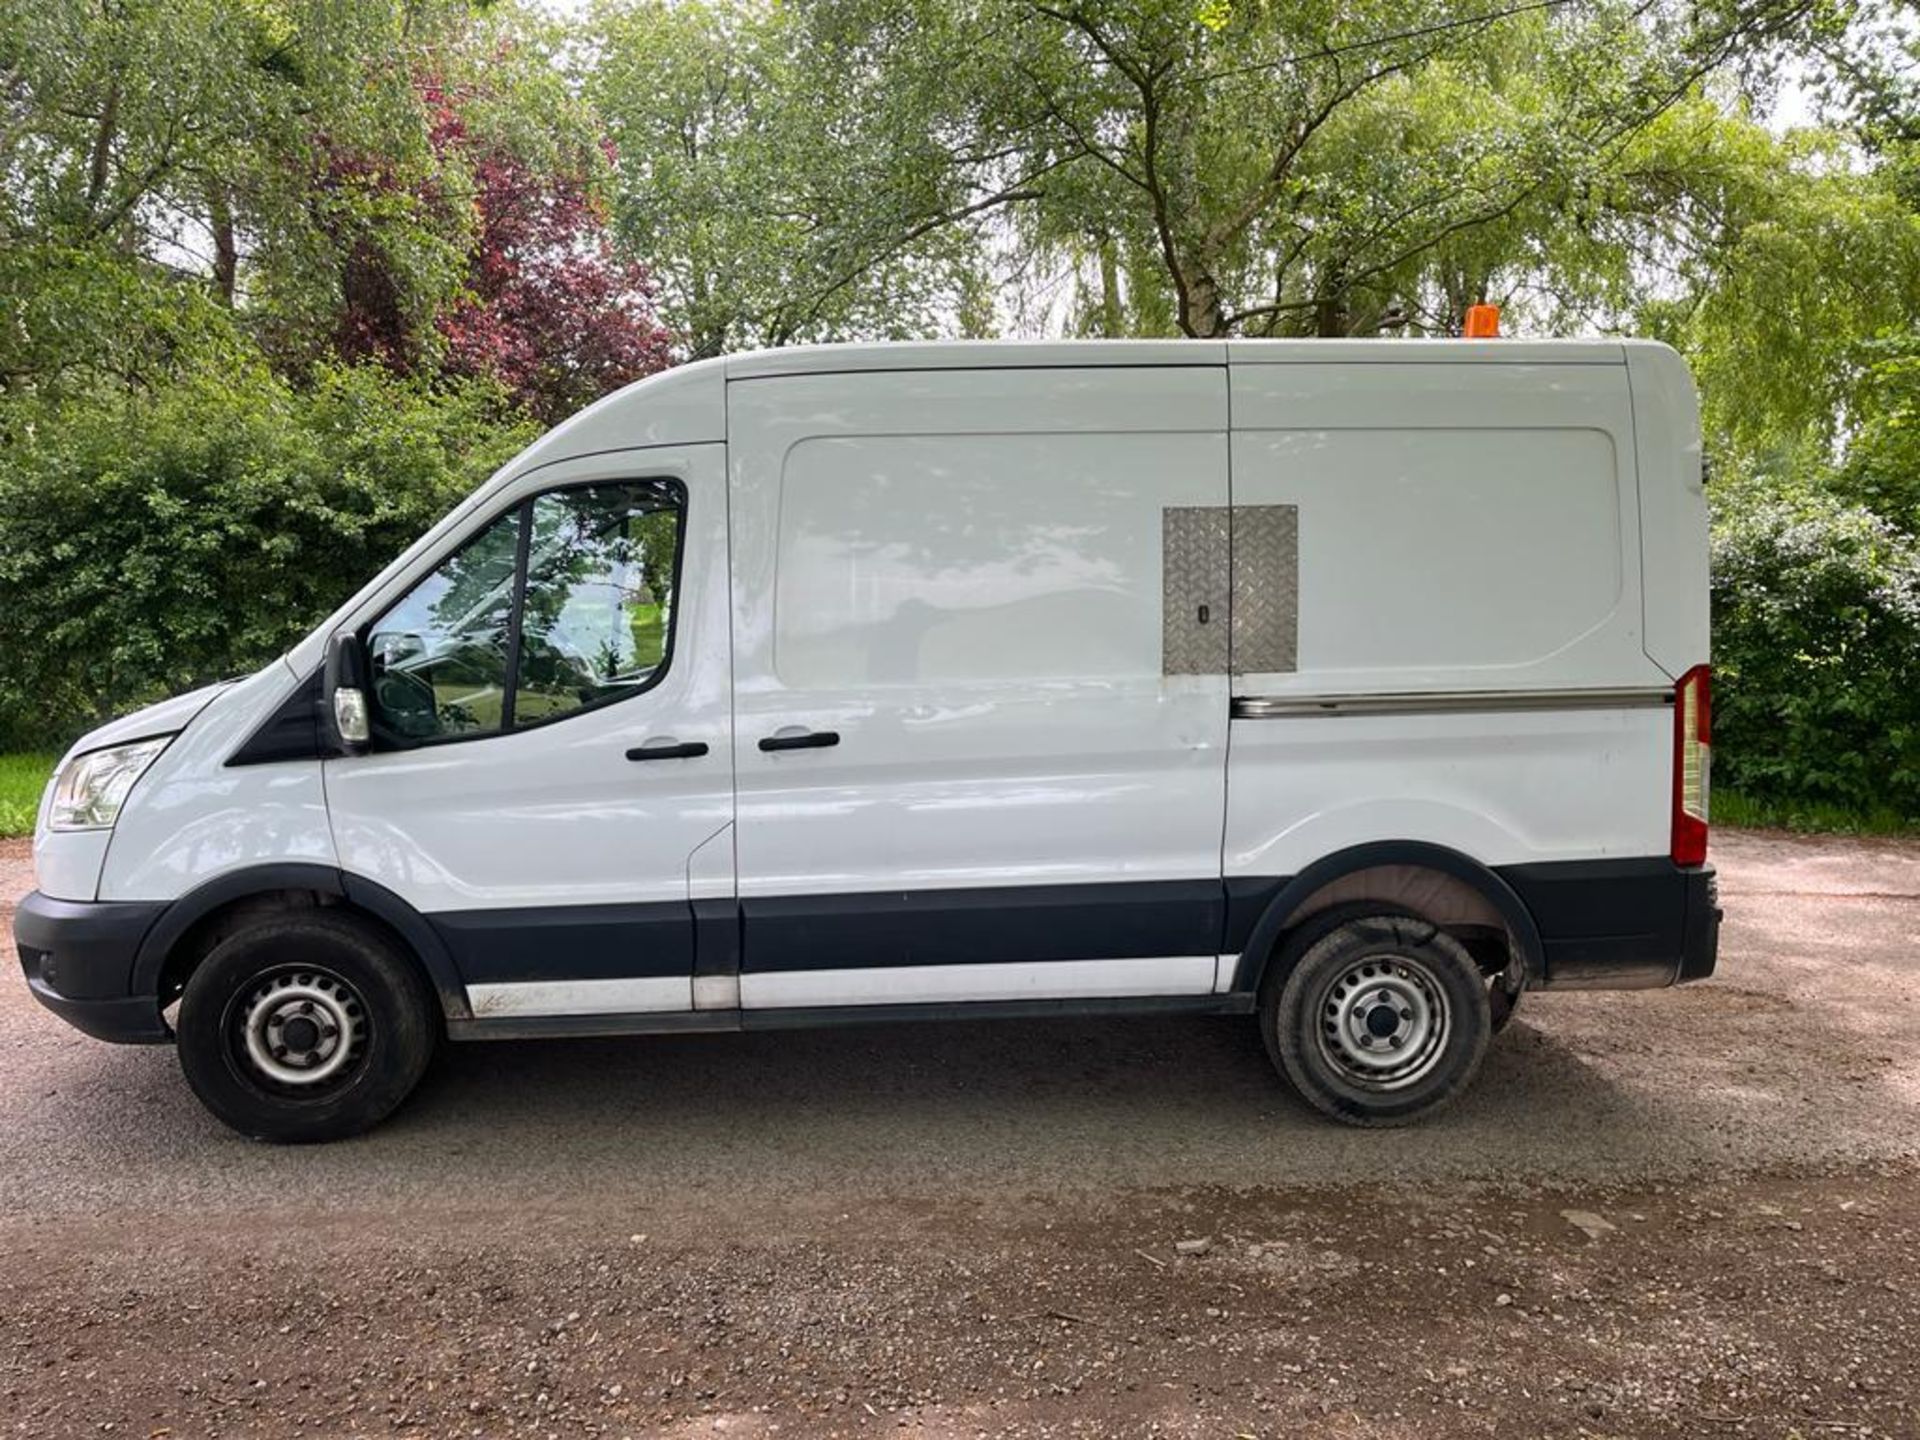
406,704
550,661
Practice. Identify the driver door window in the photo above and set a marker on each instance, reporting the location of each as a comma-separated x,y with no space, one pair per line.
563,604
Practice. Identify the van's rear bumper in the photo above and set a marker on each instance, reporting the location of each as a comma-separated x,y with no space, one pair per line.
1621,924
78,958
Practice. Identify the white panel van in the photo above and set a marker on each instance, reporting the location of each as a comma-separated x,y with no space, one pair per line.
1355,686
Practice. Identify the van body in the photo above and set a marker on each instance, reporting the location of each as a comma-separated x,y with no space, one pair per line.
1359,685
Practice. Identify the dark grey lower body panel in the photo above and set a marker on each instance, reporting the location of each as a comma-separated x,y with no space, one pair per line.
569,942
1021,923
1621,924
831,932
1602,924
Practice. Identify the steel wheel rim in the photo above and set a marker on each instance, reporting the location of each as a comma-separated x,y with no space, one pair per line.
301,1029
1382,1021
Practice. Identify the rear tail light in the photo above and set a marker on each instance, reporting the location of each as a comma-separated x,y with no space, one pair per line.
1692,757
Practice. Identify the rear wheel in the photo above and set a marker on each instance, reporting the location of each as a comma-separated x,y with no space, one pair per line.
305,1026
1376,1019
1504,999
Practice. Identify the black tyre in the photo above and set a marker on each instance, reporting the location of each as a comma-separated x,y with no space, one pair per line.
1376,1019
306,1026
1504,1000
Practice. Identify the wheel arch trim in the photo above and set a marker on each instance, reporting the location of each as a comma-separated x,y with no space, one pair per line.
1263,940
353,891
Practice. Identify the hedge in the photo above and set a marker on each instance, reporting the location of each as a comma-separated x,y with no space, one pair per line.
1816,650
153,541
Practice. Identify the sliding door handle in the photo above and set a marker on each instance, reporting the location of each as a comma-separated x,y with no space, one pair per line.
686,750
806,740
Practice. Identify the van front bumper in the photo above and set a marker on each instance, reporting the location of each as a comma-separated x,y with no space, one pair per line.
78,957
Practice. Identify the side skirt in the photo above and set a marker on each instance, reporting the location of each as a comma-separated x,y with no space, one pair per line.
514,1027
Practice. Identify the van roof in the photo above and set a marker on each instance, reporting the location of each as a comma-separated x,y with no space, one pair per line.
686,405
1018,354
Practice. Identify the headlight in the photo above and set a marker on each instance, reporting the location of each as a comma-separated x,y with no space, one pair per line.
89,793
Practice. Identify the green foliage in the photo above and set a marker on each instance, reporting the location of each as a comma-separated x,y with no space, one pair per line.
1881,468
1821,262
77,315
156,152
23,778
1737,810
1816,640
155,540
801,172
866,167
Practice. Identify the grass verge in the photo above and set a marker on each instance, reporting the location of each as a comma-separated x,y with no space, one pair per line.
1744,812
22,778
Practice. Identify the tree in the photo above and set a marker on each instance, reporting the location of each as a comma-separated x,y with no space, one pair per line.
154,155
791,174
546,309
1313,168
1798,279
1881,467
492,258
1227,167
1822,262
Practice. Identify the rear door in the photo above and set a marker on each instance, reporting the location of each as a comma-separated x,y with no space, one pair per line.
979,668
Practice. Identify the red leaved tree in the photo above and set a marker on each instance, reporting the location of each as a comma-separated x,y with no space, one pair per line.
548,309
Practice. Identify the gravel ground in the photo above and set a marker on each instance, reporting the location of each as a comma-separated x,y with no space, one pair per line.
974,1230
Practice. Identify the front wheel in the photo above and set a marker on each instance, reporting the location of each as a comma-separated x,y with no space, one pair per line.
306,1026
1378,1020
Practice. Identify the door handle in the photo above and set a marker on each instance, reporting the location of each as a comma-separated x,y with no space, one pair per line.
807,740
683,751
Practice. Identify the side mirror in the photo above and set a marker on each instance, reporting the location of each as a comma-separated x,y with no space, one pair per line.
345,684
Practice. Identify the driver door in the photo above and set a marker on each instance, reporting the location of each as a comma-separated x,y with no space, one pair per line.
552,744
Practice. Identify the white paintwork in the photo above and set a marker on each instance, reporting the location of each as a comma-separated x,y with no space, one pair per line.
556,814
984,355
921,561
1501,786
67,863
950,554
1472,527
946,984
192,817
1490,600
1463,527
1673,497
710,868
989,653
1083,354
1452,354
165,717
525,998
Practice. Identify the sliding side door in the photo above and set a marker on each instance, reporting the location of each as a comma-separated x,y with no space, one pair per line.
980,640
